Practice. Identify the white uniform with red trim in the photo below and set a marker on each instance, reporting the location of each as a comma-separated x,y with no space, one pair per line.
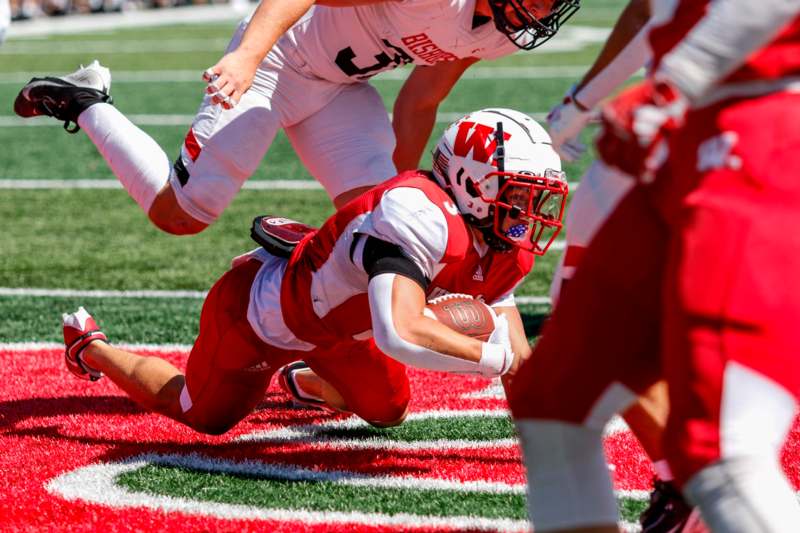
346,45
311,84
319,296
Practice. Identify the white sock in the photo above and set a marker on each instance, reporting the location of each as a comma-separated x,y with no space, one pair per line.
745,494
569,486
135,158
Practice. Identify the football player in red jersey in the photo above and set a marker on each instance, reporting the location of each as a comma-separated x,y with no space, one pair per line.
355,289
600,190
304,69
701,280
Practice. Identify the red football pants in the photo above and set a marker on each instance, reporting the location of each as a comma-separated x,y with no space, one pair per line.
230,367
690,278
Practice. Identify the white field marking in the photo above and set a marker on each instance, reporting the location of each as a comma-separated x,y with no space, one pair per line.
191,76
630,527
70,293
9,121
340,477
112,184
615,425
48,346
114,47
532,300
313,433
97,484
493,390
77,293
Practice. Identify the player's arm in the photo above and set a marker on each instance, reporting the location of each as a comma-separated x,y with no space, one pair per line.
624,52
415,108
402,331
234,73
721,41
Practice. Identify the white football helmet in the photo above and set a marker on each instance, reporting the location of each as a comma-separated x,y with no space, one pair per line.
499,167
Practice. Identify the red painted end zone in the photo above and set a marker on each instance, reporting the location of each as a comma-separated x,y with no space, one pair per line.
52,423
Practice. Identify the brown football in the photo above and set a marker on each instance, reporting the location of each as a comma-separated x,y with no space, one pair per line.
462,313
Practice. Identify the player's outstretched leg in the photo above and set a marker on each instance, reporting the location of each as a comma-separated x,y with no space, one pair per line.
152,382
83,99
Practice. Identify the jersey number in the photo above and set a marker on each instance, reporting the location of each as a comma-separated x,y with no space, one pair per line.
344,59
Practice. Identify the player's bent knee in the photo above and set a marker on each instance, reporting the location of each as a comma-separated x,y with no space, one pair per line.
168,216
209,423
211,427
389,422
179,227
387,414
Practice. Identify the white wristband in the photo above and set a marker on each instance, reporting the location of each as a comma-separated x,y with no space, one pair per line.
495,359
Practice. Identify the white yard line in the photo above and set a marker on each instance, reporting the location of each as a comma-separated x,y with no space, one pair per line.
163,294
474,73
70,293
37,346
114,46
97,484
10,121
110,184
259,185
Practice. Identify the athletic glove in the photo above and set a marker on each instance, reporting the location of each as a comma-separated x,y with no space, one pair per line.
565,123
636,126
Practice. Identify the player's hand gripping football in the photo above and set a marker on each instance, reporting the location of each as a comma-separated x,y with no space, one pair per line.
565,122
230,78
636,126
500,337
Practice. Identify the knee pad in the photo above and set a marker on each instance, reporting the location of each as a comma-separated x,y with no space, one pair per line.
568,481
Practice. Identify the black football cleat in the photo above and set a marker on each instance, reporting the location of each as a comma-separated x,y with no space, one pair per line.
80,330
299,398
65,97
667,512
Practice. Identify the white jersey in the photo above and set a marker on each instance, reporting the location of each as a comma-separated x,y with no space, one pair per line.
351,44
